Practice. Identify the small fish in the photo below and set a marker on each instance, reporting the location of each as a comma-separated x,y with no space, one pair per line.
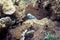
30,16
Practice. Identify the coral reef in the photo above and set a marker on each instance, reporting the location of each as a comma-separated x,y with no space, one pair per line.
29,19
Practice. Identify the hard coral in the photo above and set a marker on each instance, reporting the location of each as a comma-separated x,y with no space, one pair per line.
5,22
8,7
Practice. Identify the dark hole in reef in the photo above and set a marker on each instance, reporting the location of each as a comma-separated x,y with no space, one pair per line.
3,33
49,10
28,36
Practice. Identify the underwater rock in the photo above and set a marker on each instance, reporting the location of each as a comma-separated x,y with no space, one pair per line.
8,7
36,11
